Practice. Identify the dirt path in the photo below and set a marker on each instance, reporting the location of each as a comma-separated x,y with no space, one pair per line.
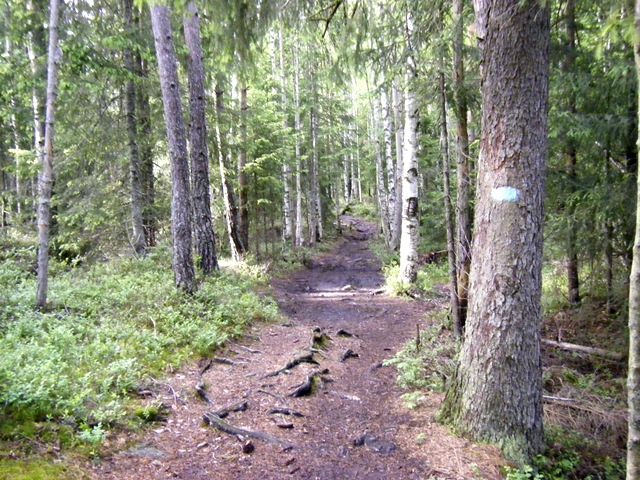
352,426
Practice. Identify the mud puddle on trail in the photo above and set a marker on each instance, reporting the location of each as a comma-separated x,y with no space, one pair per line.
338,329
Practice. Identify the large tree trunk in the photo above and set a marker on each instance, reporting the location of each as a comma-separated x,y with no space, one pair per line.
410,211
46,176
463,161
496,393
184,275
633,380
203,224
135,174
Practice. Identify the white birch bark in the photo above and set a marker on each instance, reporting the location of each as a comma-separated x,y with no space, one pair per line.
299,237
389,163
287,231
381,189
410,219
396,222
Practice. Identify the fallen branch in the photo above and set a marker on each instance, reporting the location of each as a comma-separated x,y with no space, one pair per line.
582,349
216,422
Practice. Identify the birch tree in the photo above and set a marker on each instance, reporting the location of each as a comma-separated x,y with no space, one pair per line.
410,212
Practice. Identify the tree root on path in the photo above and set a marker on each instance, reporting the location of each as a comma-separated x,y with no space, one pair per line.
216,422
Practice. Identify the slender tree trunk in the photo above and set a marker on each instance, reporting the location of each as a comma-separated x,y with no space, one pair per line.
448,210
381,189
633,380
37,48
571,156
496,393
203,223
390,165
145,150
298,132
183,271
287,231
396,223
312,197
243,187
410,211
135,168
463,177
230,208
46,176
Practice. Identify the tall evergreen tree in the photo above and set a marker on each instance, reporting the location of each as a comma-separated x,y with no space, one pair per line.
496,395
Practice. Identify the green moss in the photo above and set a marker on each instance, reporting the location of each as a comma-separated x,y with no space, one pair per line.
36,469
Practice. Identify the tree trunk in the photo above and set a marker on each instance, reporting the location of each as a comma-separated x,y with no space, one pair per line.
135,167
287,231
571,156
312,197
396,223
390,165
463,177
203,223
183,271
299,240
496,393
230,208
410,211
381,189
46,176
458,326
633,380
243,187
145,150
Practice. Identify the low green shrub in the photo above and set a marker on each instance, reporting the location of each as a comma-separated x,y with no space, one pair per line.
107,328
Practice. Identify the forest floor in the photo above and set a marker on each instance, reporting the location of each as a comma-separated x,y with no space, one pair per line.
353,423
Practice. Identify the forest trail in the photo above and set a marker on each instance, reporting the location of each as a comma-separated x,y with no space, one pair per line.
352,425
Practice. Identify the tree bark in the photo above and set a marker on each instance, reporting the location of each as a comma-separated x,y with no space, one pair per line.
410,211
183,271
571,156
390,165
633,380
458,325
496,393
463,161
381,188
312,197
230,207
396,96
46,176
299,236
203,223
135,168
287,231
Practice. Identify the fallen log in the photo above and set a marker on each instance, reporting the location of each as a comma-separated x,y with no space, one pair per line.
572,347
216,422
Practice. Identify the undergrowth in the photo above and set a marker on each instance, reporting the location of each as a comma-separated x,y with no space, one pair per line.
109,328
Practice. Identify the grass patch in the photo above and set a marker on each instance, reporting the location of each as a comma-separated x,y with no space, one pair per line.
108,327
